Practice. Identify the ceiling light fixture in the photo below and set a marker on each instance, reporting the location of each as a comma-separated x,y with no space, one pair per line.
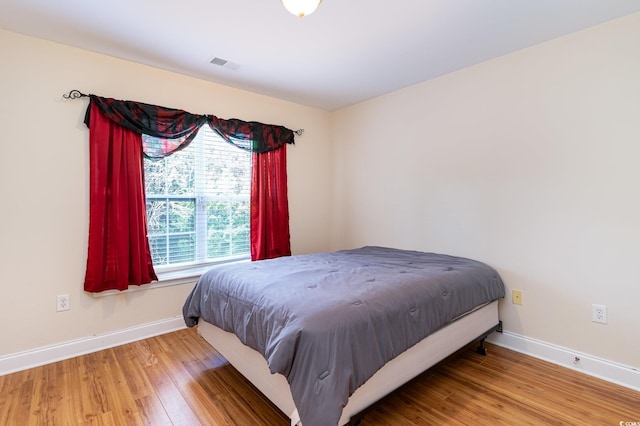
301,7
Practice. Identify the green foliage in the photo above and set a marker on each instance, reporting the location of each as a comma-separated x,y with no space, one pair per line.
228,228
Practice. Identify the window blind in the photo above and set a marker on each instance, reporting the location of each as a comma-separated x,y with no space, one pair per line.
198,202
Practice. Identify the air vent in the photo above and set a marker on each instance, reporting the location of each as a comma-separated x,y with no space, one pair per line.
225,63
219,61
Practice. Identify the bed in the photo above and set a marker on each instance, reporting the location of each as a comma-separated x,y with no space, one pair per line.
325,335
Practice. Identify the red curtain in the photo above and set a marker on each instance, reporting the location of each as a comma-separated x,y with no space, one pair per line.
119,253
269,205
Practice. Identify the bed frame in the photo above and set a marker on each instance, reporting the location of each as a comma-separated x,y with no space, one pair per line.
434,348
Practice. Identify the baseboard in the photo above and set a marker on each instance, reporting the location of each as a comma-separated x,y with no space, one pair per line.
47,354
607,370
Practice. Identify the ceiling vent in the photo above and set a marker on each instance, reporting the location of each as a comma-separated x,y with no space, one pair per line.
225,63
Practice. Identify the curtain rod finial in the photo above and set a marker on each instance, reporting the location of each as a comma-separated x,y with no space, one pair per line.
75,94
299,132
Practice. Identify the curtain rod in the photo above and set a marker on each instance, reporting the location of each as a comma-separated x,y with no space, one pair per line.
76,94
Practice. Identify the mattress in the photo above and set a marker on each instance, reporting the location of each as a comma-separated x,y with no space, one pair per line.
328,321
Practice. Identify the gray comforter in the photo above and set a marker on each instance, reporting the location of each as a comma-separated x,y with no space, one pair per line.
329,321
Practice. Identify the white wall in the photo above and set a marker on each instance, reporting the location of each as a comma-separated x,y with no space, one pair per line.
44,184
529,162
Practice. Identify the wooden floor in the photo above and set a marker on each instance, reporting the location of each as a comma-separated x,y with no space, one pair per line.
178,379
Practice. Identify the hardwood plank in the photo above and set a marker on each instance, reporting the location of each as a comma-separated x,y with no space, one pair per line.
121,400
132,359
15,397
172,400
152,412
69,406
178,379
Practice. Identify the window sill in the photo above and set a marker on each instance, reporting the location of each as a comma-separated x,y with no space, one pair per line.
169,278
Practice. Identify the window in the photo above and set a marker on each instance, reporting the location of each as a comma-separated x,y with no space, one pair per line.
198,203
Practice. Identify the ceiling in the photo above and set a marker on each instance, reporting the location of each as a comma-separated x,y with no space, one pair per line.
346,52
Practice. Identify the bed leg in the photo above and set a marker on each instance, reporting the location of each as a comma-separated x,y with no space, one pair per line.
481,349
355,421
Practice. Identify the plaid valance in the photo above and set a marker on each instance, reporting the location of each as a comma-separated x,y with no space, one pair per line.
173,129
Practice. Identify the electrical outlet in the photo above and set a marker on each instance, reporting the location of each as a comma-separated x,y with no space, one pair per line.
516,297
599,313
63,303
